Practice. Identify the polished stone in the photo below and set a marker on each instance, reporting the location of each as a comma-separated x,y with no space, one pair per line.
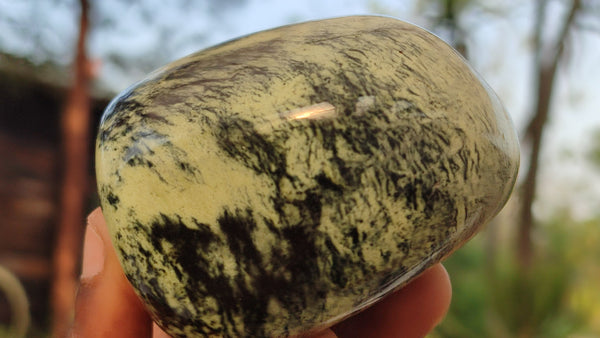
282,181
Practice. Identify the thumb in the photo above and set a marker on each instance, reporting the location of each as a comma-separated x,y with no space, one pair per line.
106,305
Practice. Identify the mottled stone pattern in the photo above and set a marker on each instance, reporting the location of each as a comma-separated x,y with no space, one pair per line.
283,180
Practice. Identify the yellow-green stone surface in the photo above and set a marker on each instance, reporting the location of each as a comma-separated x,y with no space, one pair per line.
279,182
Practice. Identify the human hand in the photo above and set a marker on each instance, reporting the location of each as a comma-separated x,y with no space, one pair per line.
106,305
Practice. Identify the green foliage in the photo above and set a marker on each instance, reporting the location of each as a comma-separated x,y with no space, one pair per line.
532,303
470,293
556,297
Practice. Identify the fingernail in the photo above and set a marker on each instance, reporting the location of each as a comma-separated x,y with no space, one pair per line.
93,254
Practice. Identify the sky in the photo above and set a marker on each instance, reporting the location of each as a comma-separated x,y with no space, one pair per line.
130,40
192,30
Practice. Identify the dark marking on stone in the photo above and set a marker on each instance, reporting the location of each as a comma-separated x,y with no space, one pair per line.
155,118
327,183
353,234
385,255
189,243
113,200
239,139
185,166
338,262
235,297
404,246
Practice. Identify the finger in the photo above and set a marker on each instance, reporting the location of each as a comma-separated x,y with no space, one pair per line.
157,332
106,305
411,312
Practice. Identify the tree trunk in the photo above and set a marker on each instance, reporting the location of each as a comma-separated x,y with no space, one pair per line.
545,74
75,141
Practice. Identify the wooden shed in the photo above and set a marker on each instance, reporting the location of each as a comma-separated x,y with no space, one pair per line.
31,99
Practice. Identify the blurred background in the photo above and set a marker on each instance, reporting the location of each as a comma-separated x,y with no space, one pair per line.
533,272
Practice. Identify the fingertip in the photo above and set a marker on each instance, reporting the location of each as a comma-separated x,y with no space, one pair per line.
157,332
324,334
93,254
441,284
429,297
106,305
96,221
